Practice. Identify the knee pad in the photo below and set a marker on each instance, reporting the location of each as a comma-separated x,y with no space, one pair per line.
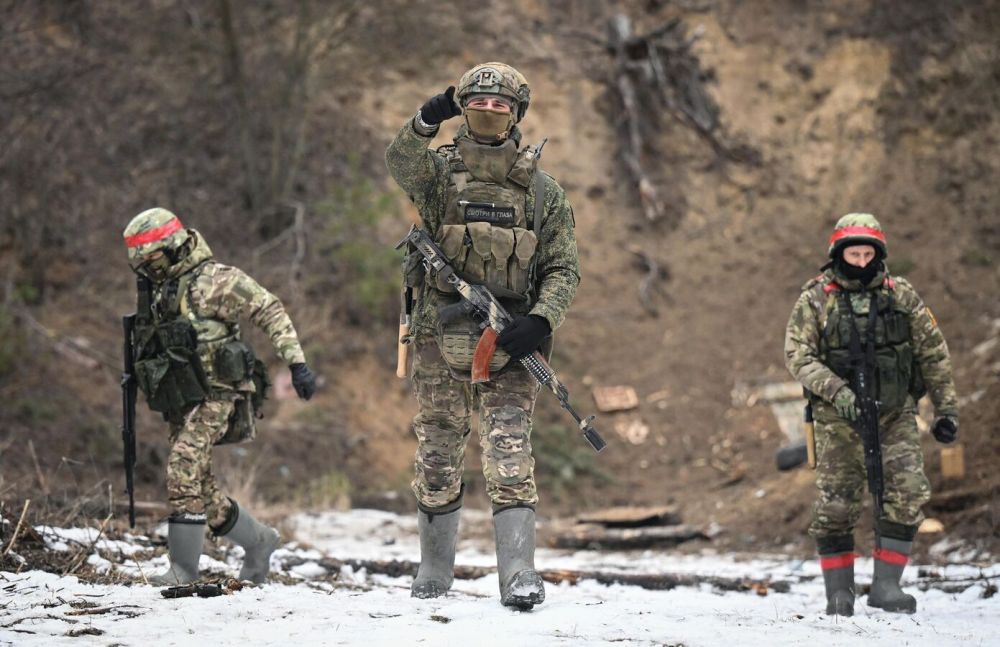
508,452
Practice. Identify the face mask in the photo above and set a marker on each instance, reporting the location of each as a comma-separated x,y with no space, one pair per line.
488,125
156,268
862,274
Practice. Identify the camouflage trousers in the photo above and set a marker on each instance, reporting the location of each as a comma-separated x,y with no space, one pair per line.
191,486
442,427
841,476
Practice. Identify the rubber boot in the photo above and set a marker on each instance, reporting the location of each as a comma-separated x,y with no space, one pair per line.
438,539
520,584
890,560
184,542
258,542
836,558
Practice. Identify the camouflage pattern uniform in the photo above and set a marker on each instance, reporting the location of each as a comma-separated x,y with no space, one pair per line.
507,401
840,467
217,297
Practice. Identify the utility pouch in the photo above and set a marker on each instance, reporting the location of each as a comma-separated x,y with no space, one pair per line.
247,408
242,427
457,342
234,362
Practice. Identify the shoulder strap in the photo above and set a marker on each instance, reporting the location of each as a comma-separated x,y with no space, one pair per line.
536,219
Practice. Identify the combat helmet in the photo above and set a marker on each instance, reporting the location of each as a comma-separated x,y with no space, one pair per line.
153,230
858,229
499,79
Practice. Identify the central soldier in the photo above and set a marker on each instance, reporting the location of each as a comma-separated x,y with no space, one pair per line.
507,225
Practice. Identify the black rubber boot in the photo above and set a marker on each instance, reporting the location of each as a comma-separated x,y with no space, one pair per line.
890,560
258,542
836,558
520,584
438,539
184,541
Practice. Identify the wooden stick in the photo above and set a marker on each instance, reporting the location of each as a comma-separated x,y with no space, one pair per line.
42,483
86,553
17,528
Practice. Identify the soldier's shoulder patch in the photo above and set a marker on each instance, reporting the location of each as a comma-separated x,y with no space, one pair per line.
813,282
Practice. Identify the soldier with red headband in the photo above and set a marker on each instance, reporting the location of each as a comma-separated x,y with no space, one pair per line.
194,369
910,359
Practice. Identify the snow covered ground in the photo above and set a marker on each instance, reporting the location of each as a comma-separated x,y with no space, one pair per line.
316,607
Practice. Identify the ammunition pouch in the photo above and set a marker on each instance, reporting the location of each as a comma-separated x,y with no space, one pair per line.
896,373
233,362
499,258
247,408
173,379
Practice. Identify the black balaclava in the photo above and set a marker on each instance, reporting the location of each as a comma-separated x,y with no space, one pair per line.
863,275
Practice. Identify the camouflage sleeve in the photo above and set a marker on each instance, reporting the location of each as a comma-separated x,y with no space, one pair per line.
416,170
558,264
232,294
802,354
930,351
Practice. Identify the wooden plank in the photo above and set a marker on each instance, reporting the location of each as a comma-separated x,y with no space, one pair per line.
632,516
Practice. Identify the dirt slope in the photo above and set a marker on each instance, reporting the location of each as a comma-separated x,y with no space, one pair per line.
888,108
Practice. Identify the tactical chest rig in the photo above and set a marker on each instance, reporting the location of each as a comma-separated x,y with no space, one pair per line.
488,235
183,360
896,372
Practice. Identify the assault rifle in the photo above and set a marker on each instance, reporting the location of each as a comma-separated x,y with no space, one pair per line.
129,386
480,304
862,382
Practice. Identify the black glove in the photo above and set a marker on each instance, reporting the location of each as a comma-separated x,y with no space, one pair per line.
524,335
440,107
945,430
303,380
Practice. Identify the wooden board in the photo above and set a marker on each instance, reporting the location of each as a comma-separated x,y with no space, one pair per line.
632,516
615,398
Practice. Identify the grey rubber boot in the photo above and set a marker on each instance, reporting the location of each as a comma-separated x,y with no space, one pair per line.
438,539
184,541
890,560
839,586
258,542
520,584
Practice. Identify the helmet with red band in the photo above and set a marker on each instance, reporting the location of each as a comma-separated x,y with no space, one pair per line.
153,230
858,229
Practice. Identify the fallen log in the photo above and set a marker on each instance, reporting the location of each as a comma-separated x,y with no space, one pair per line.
650,581
593,537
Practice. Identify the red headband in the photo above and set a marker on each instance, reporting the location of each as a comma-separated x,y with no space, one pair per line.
850,232
153,235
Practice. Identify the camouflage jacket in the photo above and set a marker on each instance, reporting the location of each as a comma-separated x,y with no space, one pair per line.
423,174
803,353
219,295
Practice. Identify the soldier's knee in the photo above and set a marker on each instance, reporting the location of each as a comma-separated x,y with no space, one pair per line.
508,451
